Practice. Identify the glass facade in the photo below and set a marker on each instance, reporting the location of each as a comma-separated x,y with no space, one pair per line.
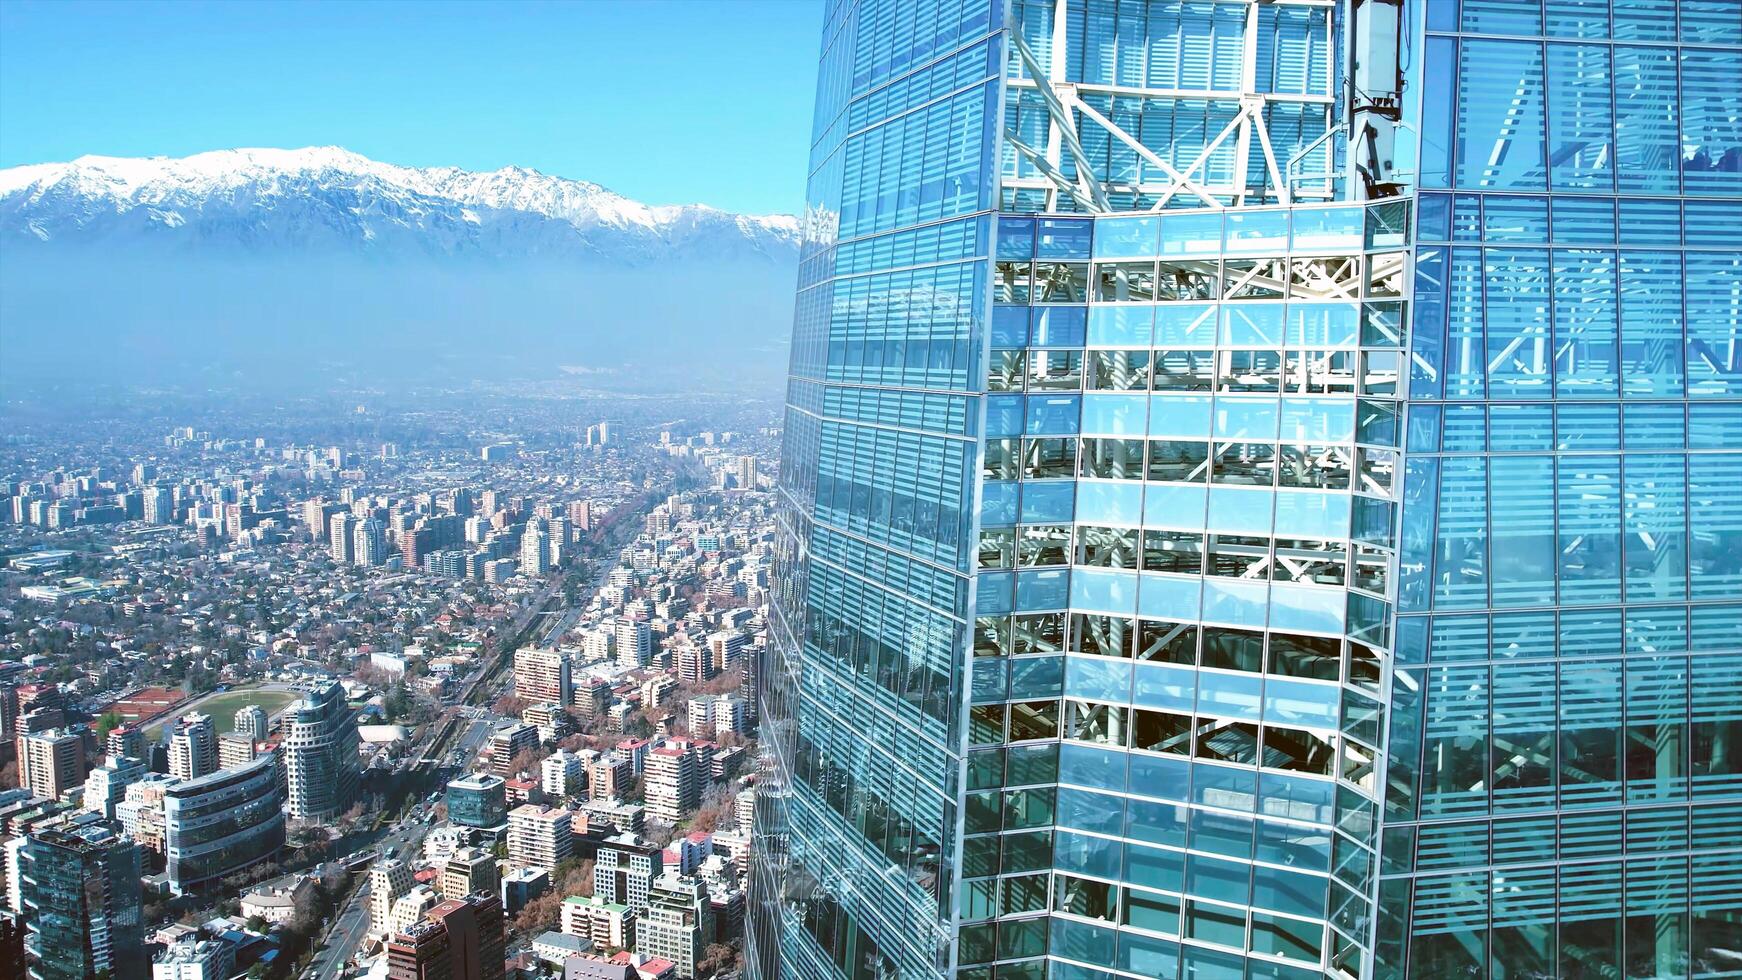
1564,791
1252,514
81,900
220,824
478,800
320,753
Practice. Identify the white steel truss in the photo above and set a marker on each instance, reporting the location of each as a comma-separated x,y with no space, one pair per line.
1069,117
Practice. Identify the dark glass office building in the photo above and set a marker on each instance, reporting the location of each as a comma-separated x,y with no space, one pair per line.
478,800
82,903
1262,496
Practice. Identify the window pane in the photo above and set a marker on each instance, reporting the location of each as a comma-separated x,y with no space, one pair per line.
1500,114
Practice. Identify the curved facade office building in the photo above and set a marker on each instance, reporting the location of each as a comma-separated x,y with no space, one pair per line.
219,824
1262,496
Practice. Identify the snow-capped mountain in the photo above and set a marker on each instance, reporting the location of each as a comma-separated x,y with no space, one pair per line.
328,198
318,265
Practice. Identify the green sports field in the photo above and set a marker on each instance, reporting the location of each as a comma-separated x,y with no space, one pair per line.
223,707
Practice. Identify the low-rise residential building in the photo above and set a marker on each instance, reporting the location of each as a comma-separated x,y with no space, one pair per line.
276,902
610,925
521,886
556,948
193,958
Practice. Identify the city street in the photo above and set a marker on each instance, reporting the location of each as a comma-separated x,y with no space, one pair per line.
351,925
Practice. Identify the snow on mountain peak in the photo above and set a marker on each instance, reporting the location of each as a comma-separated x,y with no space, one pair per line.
330,194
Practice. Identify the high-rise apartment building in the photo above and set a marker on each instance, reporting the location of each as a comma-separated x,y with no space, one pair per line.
714,714
51,761
609,776
539,837
315,516
193,747
634,643
389,881
469,870
673,784
159,505
9,711
506,744
341,534
106,785
624,870
725,649
410,908
592,697
535,548
236,749
1261,495
541,676
678,922
563,773
369,542
320,753
251,720
125,740
140,812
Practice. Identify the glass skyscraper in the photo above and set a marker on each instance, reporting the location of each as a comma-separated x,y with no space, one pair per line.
1262,495
81,900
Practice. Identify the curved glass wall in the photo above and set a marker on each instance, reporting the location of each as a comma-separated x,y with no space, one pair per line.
218,825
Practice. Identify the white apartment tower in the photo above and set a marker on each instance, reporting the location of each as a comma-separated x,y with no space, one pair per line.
534,549
389,881
634,643
539,837
252,721
193,747
341,535
370,542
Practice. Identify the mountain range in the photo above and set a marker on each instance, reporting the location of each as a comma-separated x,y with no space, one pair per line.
319,261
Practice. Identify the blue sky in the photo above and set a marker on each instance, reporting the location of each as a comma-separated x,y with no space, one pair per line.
666,101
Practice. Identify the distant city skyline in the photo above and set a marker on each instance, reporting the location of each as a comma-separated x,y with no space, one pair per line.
539,86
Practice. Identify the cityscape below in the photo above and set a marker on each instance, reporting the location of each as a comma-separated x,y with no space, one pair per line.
403,694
